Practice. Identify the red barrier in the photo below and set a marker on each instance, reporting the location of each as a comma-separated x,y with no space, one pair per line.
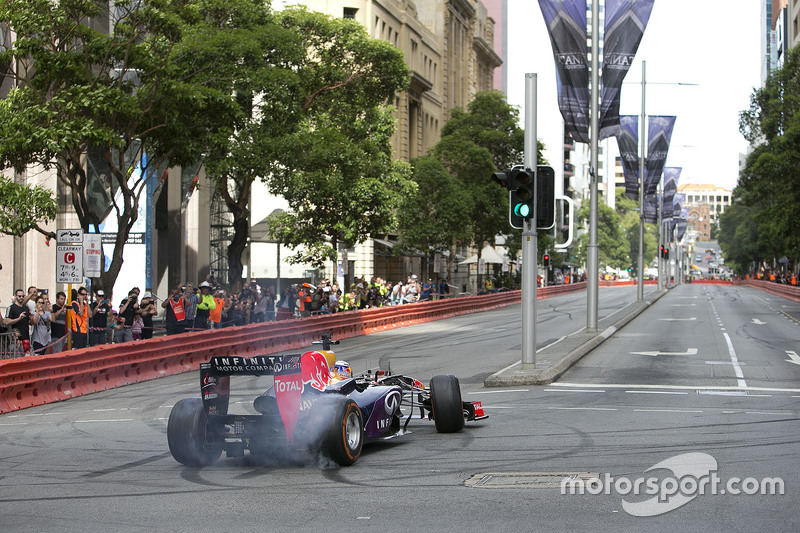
36,380
791,292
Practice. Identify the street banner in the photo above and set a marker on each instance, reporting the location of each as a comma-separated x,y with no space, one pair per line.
682,222
628,143
566,25
651,203
659,134
677,206
625,22
671,177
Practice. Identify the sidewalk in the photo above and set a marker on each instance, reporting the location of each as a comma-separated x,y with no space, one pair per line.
554,359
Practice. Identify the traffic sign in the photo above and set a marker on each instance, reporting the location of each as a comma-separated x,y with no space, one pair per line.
69,236
69,264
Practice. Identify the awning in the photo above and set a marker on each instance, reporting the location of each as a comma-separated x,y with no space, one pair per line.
488,254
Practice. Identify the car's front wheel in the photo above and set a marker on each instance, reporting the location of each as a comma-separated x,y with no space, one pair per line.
446,406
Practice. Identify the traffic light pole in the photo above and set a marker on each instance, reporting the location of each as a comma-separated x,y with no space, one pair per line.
529,233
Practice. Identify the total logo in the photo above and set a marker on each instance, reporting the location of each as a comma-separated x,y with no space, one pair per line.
286,386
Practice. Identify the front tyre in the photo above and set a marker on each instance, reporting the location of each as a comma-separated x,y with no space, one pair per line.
446,406
188,434
344,438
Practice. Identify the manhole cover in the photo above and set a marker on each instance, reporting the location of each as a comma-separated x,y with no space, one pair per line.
526,480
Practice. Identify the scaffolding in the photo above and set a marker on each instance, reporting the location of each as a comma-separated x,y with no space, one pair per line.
221,233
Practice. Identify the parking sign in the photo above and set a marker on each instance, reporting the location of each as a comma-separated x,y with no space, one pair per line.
69,264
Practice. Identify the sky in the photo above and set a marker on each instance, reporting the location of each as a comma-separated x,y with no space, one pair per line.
715,45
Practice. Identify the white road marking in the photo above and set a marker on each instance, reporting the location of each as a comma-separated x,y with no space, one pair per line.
654,392
736,368
667,411
677,319
574,390
499,391
673,387
793,357
723,363
689,351
583,408
758,322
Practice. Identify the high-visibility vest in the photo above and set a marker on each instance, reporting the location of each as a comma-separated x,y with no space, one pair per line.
177,309
80,322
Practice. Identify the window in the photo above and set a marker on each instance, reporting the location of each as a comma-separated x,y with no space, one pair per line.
350,13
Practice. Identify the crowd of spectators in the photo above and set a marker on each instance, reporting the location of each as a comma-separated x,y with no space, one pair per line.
33,324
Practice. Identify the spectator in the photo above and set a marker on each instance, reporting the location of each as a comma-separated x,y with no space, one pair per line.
204,306
175,312
40,337
427,288
190,299
444,288
287,303
260,305
270,299
127,312
215,315
58,322
81,313
101,312
17,316
147,310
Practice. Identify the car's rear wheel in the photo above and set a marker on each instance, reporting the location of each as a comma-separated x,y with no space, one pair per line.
446,406
344,439
188,434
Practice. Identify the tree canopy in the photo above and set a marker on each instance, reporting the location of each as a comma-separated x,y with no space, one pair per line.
769,186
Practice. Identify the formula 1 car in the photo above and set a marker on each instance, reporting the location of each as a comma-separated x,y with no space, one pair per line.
305,411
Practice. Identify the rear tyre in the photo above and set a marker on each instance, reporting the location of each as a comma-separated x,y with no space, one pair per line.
190,441
344,439
446,407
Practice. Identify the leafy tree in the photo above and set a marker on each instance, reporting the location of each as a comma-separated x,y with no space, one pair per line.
770,181
740,237
113,95
432,218
628,211
613,246
334,166
23,208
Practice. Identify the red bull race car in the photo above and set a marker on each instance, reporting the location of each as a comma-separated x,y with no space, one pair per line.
315,407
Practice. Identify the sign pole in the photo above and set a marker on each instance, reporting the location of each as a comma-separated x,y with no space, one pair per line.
529,233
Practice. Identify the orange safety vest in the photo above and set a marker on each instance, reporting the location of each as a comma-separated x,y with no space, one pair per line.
79,322
301,300
177,309
216,314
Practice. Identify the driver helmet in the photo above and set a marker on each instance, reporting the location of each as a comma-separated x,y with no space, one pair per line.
341,370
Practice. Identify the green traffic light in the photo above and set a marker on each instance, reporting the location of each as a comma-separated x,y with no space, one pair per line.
522,210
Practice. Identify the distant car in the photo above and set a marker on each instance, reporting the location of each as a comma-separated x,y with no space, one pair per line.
698,259
305,412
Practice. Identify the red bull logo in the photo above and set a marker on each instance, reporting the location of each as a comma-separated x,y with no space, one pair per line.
314,370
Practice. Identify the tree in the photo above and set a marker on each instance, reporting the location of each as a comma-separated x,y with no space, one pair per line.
741,238
114,97
628,211
613,247
432,218
23,208
335,168
770,181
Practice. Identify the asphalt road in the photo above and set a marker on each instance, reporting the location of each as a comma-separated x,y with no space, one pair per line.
101,463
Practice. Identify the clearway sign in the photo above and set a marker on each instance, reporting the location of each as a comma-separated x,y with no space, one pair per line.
69,264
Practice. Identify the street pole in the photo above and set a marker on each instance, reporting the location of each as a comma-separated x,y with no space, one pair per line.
593,262
640,284
529,234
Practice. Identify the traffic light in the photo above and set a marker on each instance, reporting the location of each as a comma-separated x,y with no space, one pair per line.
545,197
546,260
519,183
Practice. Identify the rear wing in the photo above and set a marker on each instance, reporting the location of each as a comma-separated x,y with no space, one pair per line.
215,381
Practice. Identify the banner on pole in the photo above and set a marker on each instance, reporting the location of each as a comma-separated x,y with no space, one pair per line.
659,134
671,177
566,25
628,143
625,22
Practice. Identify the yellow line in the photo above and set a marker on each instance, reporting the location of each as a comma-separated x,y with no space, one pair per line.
790,316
